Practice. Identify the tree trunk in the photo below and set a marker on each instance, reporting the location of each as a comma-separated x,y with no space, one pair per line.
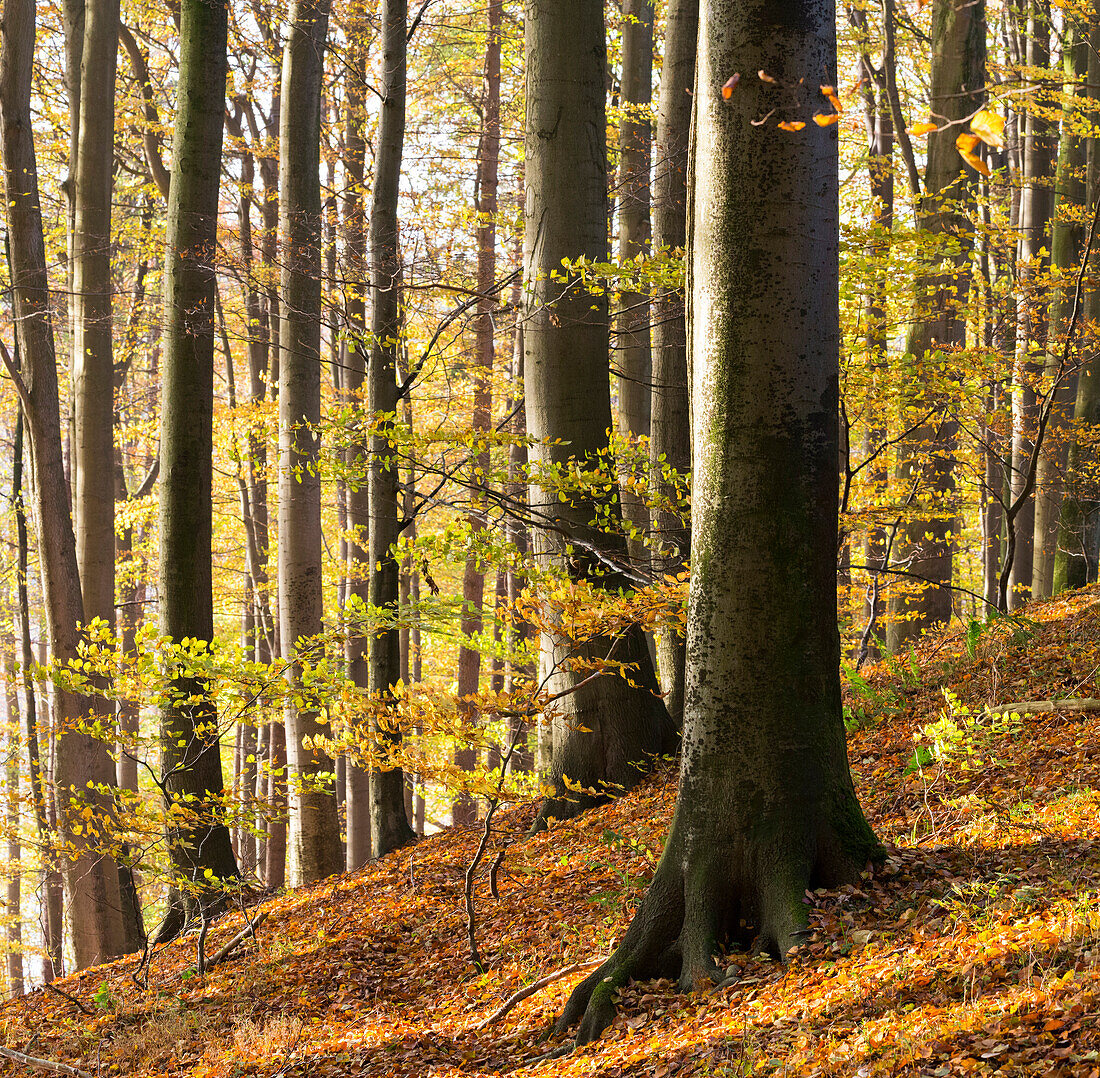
927,466
1079,527
91,879
13,897
606,730
464,810
314,840
191,765
670,420
1032,282
633,356
1066,247
389,824
766,806
357,497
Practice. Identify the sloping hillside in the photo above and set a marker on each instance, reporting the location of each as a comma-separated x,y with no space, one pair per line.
974,949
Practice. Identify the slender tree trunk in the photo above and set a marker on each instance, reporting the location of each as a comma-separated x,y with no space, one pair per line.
464,811
766,806
14,907
925,546
389,825
1036,205
670,420
1066,248
314,826
605,730
633,357
1079,527
91,879
191,765
357,278
51,906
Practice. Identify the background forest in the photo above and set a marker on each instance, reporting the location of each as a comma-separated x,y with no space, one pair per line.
257,667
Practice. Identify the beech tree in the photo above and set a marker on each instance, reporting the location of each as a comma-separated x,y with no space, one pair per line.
83,770
192,769
605,730
314,841
766,805
389,821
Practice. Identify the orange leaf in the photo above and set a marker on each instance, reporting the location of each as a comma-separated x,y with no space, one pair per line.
923,129
764,76
823,119
989,127
966,142
790,125
975,162
830,93
730,83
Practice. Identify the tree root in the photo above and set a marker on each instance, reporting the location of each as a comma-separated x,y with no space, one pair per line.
698,900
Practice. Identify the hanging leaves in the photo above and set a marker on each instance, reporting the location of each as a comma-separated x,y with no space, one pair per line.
791,125
824,119
989,127
965,144
923,129
729,85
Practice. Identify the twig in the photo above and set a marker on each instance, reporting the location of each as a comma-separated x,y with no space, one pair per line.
248,930
471,870
72,999
536,986
43,1064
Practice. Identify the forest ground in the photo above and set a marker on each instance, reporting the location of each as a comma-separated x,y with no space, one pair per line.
974,949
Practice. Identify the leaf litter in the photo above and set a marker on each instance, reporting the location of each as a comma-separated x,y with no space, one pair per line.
974,948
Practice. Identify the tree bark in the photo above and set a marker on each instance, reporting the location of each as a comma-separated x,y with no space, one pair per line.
314,839
766,805
464,810
1066,247
670,419
927,464
357,497
91,880
1036,205
633,355
389,823
191,766
605,731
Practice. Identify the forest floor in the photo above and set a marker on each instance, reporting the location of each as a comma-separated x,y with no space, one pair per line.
974,949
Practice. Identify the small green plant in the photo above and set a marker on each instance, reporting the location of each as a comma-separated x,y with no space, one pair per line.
960,738
103,998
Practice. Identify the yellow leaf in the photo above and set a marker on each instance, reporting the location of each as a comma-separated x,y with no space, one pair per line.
966,142
823,119
790,125
923,129
989,127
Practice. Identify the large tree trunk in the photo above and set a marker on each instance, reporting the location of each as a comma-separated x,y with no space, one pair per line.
389,823
192,769
670,420
1066,247
91,879
314,841
357,496
766,806
605,730
464,810
927,465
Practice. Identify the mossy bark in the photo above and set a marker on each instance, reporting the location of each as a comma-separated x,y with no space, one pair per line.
766,806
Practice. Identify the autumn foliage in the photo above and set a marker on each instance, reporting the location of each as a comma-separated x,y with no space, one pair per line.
974,949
